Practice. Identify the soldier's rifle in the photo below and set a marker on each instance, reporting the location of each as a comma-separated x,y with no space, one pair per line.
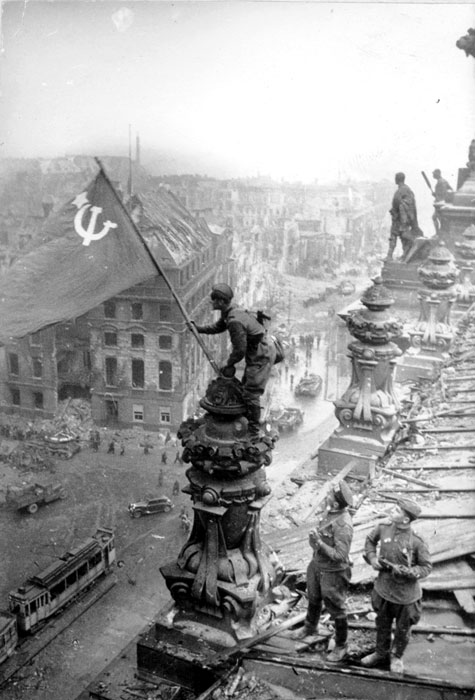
428,183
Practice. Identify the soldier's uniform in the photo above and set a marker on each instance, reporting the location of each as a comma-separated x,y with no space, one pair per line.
329,571
397,593
250,341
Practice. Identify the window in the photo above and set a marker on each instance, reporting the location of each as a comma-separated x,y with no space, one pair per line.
13,362
37,367
137,340
138,373
111,371
165,342
165,375
38,399
109,309
86,358
165,312
137,311
15,397
35,339
165,415
82,571
138,412
112,409
110,338
71,579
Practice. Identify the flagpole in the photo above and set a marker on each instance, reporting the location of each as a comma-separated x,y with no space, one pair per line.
161,272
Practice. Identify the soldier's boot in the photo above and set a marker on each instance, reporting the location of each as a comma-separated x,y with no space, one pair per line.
390,253
310,626
383,645
341,636
253,415
401,640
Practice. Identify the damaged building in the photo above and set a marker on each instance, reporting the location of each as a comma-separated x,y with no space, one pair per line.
132,356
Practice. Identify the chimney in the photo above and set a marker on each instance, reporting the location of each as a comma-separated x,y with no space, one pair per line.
137,149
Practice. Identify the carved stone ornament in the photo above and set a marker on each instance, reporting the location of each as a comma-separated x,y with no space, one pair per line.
224,570
433,332
370,406
466,248
439,270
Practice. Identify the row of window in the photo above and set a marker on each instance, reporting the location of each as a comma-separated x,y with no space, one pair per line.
138,414
137,340
137,311
165,379
14,365
38,400
194,266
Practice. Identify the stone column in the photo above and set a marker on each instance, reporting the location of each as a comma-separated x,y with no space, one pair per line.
466,252
224,573
368,410
431,335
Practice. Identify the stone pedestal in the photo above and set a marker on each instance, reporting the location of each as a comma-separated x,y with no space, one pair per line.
224,574
368,410
431,335
459,214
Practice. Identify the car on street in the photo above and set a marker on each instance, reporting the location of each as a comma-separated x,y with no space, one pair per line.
285,418
309,386
160,504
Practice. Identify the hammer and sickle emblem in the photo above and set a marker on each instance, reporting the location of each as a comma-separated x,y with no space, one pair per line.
88,234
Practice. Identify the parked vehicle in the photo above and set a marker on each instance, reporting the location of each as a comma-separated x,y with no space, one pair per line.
286,418
50,590
63,444
346,288
309,386
160,504
30,497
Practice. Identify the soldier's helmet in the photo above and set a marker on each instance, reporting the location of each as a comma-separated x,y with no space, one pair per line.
221,290
437,173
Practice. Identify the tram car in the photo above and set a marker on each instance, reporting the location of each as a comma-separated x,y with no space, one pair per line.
8,634
48,591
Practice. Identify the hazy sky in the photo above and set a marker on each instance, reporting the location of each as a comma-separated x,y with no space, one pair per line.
294,89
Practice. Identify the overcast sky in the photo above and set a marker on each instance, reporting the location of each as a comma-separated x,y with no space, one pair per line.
291,89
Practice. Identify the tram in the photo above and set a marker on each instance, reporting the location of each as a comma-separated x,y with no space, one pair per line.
50,590
8,634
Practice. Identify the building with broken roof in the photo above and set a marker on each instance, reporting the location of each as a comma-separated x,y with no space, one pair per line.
132,356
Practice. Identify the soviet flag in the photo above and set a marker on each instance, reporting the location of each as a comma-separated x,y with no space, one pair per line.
92,252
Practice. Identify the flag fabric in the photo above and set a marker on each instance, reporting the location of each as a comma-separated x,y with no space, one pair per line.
92,253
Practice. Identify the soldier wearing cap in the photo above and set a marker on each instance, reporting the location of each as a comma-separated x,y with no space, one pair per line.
403,560
329,571
250,341
441,189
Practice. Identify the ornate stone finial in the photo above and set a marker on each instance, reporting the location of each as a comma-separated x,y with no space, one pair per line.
466,248
439,271
467,43
377,296
374,325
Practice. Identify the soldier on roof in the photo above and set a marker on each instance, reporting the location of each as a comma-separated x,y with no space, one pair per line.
329,571
403,560
250,342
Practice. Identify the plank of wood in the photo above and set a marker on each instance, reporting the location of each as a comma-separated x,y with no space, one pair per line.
416,466
421,448
327,486
411,479
465,600
439,489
